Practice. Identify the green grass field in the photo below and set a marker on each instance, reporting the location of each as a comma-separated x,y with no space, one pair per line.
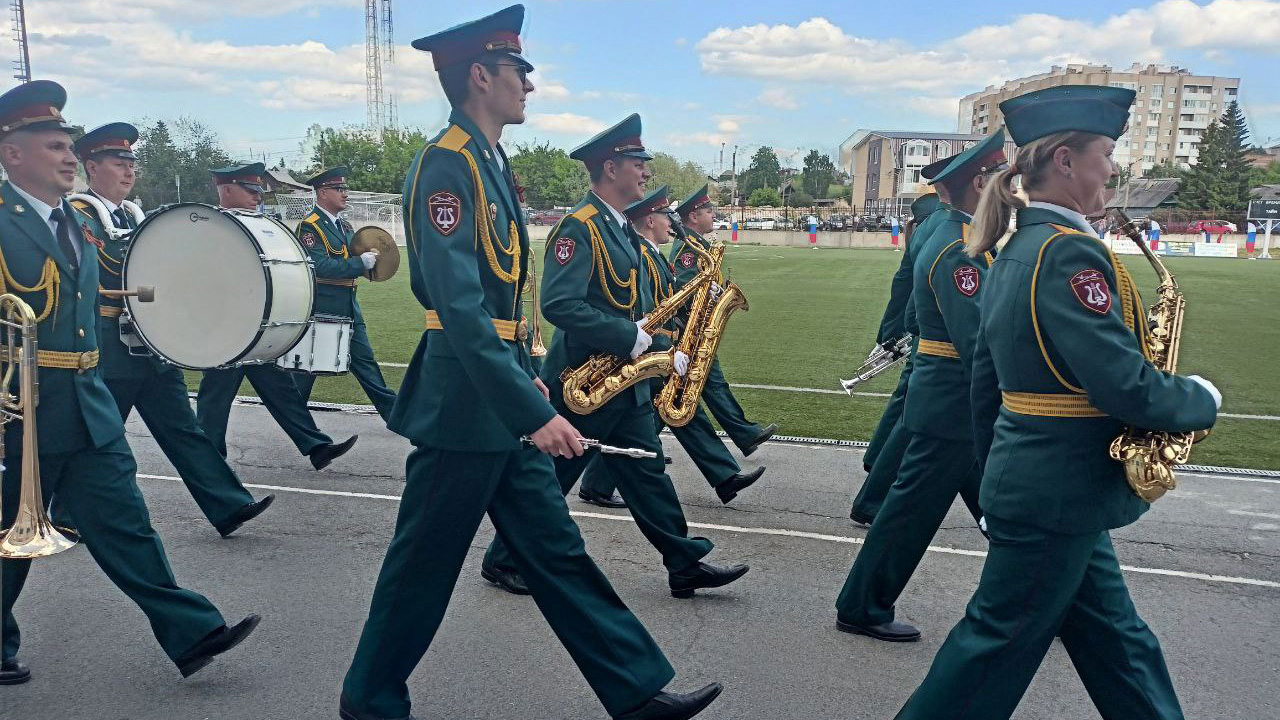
813,317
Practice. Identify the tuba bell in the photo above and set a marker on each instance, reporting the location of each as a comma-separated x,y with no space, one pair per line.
32,534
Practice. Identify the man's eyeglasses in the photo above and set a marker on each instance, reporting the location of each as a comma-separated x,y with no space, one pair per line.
522,72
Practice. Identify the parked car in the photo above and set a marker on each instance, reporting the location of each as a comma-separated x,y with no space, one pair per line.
544,217
761,223
1213,227
722,224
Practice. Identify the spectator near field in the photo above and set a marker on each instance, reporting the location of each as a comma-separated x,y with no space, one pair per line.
894,229
1153,233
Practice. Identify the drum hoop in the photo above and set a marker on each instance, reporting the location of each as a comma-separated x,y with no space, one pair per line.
266,312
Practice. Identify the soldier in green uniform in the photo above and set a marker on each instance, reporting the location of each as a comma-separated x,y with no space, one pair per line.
651,218
1059,370
939,461
327,238
698,215
890,439
153,386
592,291
240,187
469,396
47,261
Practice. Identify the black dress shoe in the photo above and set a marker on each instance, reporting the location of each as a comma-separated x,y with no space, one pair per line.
892,631
674,706
600,499
760,439
703,575
666,459
730,488
508,580
13,672
325,454
861,518
346,712
244,515
216,643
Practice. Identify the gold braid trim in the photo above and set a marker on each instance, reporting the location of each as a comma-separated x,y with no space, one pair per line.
487,234
314,221
605,264
50,283
658,294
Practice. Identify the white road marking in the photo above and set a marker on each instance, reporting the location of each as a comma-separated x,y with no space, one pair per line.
780,532
1247,513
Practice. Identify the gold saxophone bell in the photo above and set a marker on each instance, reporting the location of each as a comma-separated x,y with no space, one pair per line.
32,534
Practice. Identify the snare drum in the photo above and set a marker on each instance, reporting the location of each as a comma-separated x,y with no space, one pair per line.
232,287
325,349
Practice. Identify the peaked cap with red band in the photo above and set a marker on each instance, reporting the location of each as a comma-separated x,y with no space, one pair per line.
469,42
699,199
249,175
36,105
621,139
985,156
334,177
111,139
655,202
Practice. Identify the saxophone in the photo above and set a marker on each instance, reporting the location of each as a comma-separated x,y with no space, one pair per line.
1149,456
677,402
594,383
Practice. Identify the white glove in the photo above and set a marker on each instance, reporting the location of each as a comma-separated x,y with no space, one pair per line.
1217,396
643,339
681,363
715,289
369,258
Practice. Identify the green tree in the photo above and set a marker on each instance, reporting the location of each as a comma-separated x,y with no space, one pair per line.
1164,169
179,153
548,176
819,173
723,196
1221,178
378,163
683,177
837,191
764,197
764,172
800,199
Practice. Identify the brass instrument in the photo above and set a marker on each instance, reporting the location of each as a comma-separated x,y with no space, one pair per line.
372,237
32,534
536,348
1149,456
879,360
598,380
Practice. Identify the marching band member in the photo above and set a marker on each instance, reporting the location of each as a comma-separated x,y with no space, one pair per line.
327,237
1059,371
592,292
939,461
241,187
84,458
651,219
155,387
469,396
699,216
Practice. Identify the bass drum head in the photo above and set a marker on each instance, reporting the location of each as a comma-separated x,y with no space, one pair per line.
212,290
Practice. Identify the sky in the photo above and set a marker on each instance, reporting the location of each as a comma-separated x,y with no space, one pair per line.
792,75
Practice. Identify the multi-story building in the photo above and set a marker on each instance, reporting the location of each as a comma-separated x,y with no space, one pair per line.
1166,122
885,166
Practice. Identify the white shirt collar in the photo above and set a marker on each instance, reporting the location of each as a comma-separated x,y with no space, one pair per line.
41,207
618,217
332,218
1080,222
111,207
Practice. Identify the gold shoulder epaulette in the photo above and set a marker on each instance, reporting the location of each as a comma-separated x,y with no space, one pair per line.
585,213
1068,230
455,138
312,217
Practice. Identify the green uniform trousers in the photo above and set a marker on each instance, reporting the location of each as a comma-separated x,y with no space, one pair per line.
162,402
98,490
1037,584
933,472
875,488
644,484
721,403
365,369
218,390
888,419
445,496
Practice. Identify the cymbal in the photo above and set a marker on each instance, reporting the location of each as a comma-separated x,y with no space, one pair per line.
372,237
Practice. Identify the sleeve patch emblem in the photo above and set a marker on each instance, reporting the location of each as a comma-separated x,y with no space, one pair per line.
564,250
967,280
445,210
1090,288
308,238
687,259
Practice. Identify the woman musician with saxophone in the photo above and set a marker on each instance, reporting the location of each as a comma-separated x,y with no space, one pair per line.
1058,372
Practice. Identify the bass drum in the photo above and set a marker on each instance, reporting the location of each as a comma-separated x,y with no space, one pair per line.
233,287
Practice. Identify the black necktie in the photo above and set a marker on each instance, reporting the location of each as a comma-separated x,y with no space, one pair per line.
121,220
63,232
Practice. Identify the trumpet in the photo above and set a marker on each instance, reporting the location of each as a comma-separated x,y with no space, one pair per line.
32,534
588,444
881,358
104,216
536,348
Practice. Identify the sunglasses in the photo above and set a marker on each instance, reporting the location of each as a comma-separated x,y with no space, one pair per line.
251,188
522,72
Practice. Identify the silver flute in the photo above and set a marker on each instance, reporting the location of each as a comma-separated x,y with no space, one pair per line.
588,444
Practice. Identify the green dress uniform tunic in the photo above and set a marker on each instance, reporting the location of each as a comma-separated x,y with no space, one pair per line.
467,399
336,272
1057,374
156,388
593,293
716,394
83,454
698,437
939,460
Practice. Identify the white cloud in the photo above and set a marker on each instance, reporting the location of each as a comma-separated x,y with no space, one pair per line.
778,98
728,125
566,123
681,42
551,90
941,107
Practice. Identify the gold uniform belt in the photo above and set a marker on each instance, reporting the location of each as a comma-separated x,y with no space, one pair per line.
939,348
108,311
508,330
1050,405
80,361
340,282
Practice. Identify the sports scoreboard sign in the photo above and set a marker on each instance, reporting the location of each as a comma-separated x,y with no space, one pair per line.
1264,209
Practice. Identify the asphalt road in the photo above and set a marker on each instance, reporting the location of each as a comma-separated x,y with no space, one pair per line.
1205,574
